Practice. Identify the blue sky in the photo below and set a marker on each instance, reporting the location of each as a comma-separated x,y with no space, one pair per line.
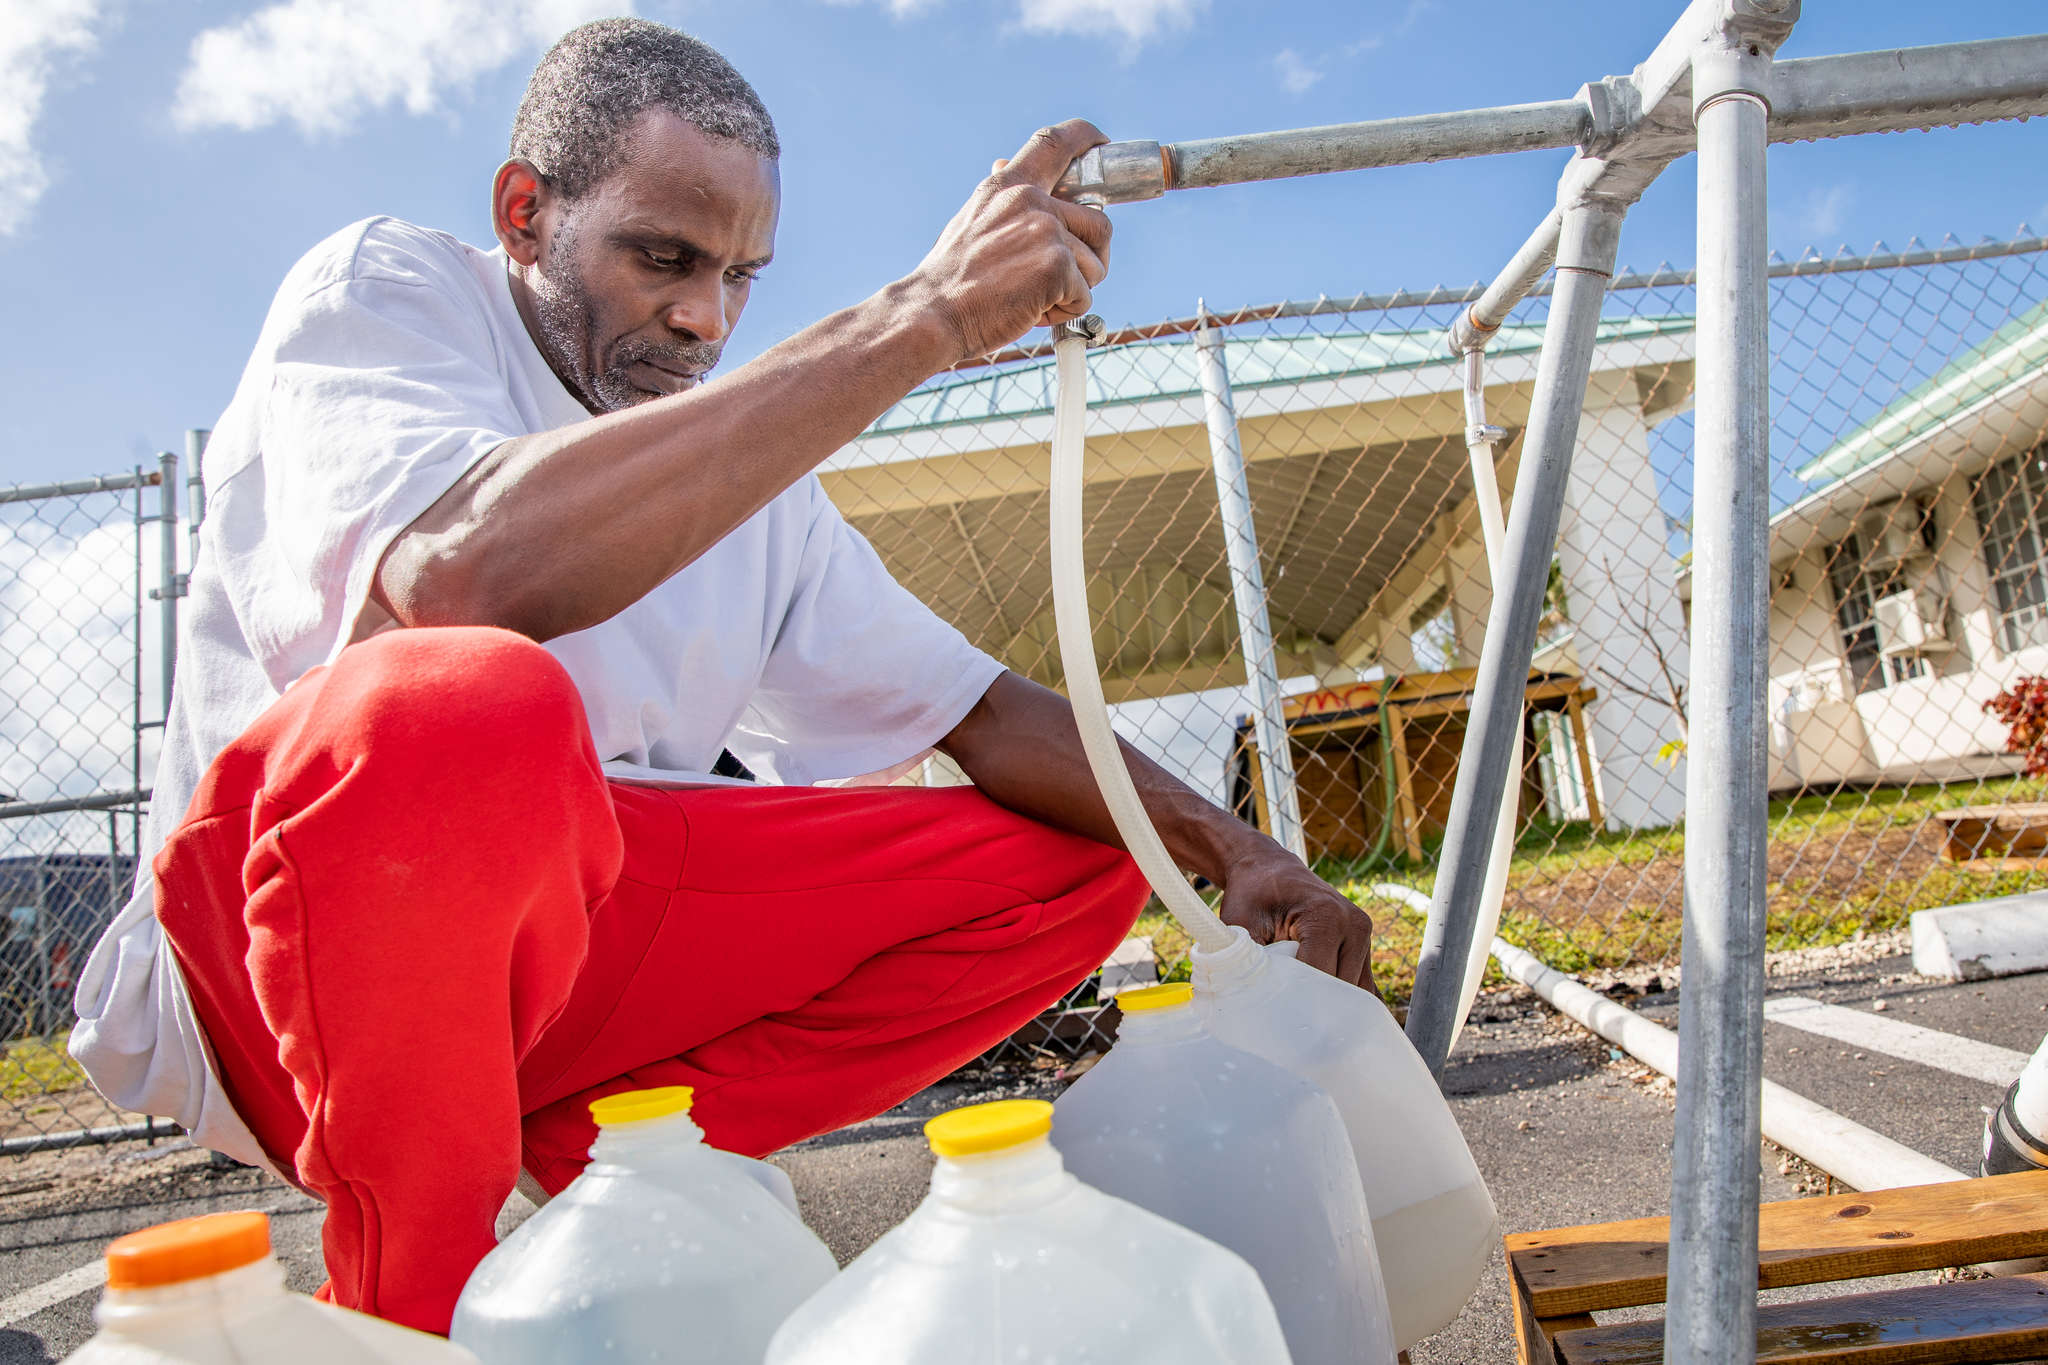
180,179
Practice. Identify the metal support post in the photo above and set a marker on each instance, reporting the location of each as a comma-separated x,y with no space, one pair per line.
1248,588
1714,1182
195,489
170,583
1585,261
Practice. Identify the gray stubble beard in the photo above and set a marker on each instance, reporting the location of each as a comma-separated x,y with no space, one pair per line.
568,327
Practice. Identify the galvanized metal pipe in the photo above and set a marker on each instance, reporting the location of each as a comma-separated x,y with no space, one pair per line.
73,488
1207,162
1714,1185
1248,590
1590,238
1820,97
18,810
151,1129
1909,87
169,585
1530,263
1126,172
195,489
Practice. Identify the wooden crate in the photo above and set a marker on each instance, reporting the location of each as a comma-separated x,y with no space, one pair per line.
1561,1277
2019,830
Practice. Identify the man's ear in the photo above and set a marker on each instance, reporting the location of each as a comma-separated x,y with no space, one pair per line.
518,194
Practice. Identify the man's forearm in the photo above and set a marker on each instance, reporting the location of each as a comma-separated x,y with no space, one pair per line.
557,531
1021,747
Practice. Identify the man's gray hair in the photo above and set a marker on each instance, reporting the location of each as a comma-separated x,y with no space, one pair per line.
593,84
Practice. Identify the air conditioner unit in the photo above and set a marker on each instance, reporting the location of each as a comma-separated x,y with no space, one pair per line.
1896,534
1912,622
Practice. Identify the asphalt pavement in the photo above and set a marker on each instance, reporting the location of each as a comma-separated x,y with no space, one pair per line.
1565,1130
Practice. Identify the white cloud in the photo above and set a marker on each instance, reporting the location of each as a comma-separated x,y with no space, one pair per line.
1134,21
1825,210
35,36
1296,74
67,642
321,64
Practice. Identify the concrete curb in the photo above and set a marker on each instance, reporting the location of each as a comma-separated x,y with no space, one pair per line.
2002,937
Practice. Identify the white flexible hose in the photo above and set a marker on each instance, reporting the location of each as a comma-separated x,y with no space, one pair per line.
1493,532
1077,656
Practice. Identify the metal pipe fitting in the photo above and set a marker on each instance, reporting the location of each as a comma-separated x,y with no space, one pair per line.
1089,327
1116,173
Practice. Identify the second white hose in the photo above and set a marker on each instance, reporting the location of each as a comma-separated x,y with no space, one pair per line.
1493,537
1077,656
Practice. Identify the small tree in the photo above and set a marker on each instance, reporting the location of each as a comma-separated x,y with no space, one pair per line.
2023,708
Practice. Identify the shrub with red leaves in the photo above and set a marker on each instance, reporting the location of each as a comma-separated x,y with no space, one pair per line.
2024,709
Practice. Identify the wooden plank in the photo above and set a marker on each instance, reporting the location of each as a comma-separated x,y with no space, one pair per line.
1932,1324
1533,1334
1264,816
1802,1241
1575,707
1411,837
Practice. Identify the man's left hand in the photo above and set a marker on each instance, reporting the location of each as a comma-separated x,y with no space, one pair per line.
1274,897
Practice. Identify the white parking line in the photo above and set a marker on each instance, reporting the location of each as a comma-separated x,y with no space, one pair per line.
69,1285
1896,1038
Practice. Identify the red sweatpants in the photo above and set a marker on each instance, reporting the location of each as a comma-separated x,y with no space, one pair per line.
423,932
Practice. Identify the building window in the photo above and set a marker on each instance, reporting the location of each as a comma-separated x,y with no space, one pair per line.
2011,501
1857,587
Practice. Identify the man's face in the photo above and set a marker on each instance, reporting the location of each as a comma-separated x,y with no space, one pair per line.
640,281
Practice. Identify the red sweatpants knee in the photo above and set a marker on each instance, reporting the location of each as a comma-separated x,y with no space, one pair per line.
421,930
379,897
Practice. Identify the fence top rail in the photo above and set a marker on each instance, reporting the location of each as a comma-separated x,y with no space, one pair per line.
102,483
1663,277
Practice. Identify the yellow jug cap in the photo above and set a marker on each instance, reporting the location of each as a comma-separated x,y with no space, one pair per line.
988,1127
634,1106
189,1249
1155,997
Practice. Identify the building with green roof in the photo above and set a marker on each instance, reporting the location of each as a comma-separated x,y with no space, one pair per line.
1354,448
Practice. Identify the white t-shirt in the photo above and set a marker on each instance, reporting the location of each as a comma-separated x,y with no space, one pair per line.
393,358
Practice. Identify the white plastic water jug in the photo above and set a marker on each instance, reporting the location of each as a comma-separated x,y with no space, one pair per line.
1241,1151
206,1291
663,1249
1433,1222
1011,1259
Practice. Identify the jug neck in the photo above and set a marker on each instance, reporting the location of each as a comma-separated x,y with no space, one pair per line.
229,1294
635,1144
1237,966
1021,1177
1144,1028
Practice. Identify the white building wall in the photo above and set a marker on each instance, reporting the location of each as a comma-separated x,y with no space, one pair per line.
1932,728
1817,734
1623,600
1959,559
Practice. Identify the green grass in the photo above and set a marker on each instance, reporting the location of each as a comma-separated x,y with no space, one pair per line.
1869,892
37,1066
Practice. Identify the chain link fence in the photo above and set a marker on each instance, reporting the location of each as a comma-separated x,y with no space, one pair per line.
76,641
1910,586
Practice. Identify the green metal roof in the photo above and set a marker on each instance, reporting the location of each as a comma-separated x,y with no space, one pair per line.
2012,352
1142,371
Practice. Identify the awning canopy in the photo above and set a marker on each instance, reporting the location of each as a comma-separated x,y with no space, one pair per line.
1354,447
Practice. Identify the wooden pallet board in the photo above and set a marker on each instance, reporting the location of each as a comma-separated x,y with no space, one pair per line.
1565,1271
1935,1324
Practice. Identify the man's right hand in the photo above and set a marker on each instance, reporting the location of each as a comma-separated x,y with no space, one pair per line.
1014,257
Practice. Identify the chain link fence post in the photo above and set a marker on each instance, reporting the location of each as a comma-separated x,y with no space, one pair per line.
1248,591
